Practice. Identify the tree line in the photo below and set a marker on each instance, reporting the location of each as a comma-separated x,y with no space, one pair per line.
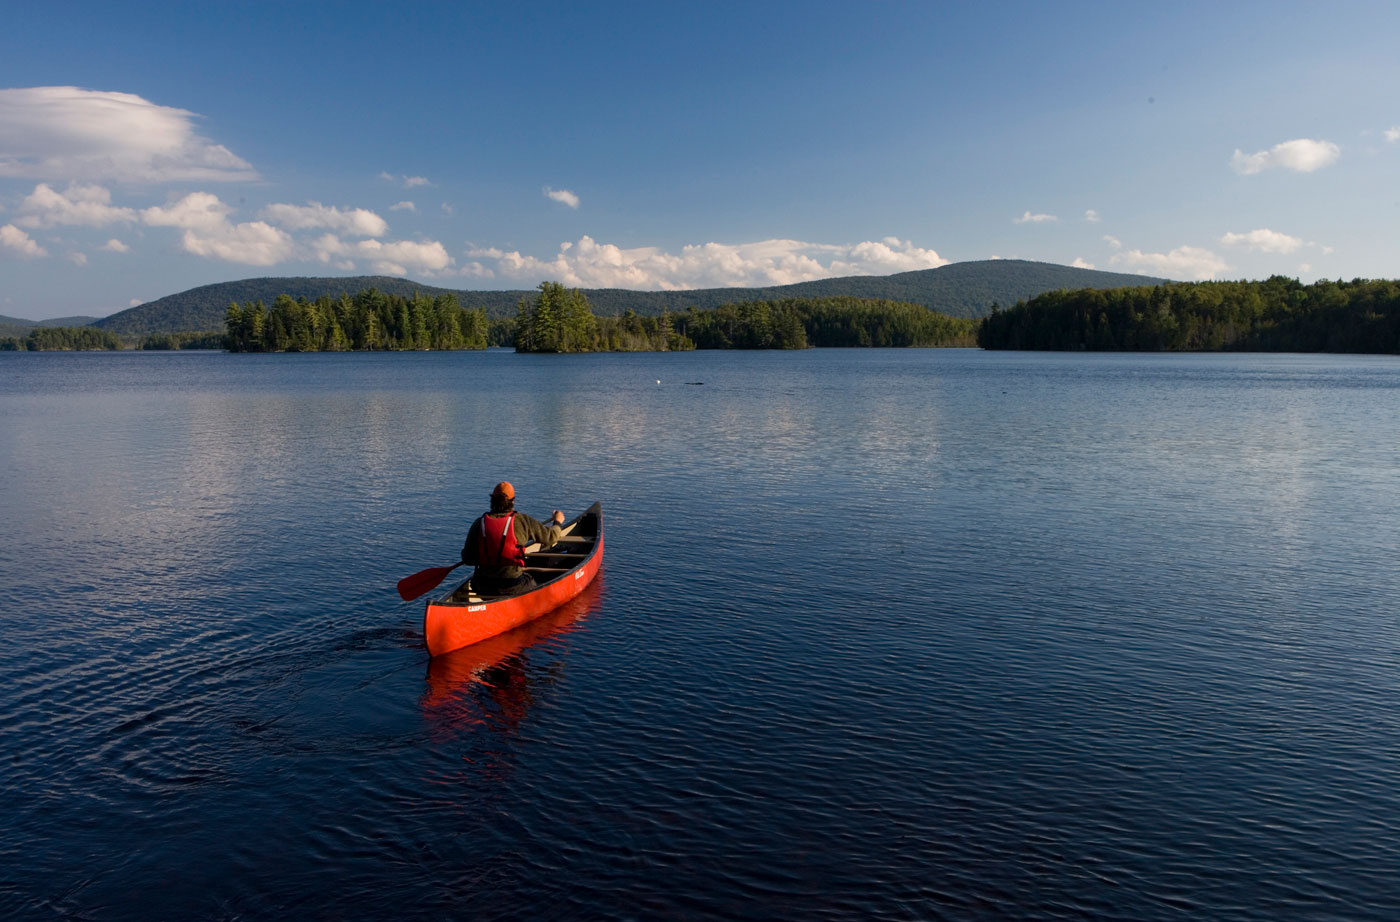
1278,314
56,339
561,320
368,320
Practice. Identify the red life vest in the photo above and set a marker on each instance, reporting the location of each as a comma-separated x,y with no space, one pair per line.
498,547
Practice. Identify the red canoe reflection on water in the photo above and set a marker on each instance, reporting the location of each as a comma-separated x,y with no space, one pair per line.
498,667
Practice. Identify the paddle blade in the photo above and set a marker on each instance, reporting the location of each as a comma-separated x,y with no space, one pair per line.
411,587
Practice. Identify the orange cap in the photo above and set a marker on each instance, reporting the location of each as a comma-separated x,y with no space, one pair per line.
504,489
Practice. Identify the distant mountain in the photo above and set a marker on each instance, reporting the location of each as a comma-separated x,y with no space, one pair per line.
967,289
14,326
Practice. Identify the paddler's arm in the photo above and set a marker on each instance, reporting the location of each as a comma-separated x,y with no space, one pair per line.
472,543
531,531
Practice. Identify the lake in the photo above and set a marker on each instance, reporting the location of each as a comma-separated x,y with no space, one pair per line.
880,634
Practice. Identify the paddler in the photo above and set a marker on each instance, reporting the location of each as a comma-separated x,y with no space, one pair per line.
496,545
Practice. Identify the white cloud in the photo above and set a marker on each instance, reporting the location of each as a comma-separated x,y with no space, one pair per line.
1303,155
561,195
135,302
77,259
1029,218
1113,241
80,205
403,206
1092,216
1183,262
408,182
358,222
16,241
1263,241
209,232
394,257
1304,268
115,246
1079,263
1392,134
589,264
70,133
448,209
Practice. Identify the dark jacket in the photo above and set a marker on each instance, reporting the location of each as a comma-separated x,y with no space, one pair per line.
527,531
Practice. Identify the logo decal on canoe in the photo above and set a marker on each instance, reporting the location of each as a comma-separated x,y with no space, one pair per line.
578,575
476,608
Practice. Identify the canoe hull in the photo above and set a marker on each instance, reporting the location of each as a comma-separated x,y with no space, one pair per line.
449,626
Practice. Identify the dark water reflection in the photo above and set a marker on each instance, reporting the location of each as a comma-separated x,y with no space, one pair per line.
881,634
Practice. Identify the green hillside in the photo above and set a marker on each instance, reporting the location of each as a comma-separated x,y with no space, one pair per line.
17,328
966,289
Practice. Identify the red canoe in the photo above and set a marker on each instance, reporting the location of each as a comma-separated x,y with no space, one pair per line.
460,617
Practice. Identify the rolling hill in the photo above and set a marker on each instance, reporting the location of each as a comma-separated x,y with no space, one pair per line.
966,289
14,326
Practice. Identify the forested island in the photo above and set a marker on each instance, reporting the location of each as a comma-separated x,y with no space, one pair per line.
560,319
62,339
1276,315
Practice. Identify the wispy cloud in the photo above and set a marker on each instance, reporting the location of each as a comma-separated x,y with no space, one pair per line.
561,195
1392,134
590,264
1113,241
1263,240
73,134
1029,218
359,222
17,242
1092,216
1302,155
1183,262
403,206
115,246
408,182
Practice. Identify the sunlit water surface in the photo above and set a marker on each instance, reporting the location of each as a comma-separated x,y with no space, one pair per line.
922,634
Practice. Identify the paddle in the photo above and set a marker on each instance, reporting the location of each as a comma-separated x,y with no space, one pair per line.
411,587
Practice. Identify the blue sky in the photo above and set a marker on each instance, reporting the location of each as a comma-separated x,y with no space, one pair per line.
146,149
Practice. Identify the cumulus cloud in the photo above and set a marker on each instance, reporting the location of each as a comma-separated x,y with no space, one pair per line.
77,259
358,222
115,246
13,240
70,133
1183,262
209,232
1079,263
1113,241
1392,134
561,195
1303,155
589,264
393,257
1092,216
1029,218
80,205
1263,241
403,206
448,209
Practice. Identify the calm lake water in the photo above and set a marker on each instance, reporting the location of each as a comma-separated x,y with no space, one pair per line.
920,634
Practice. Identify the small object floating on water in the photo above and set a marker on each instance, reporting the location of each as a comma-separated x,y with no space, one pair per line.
695,382
658,380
